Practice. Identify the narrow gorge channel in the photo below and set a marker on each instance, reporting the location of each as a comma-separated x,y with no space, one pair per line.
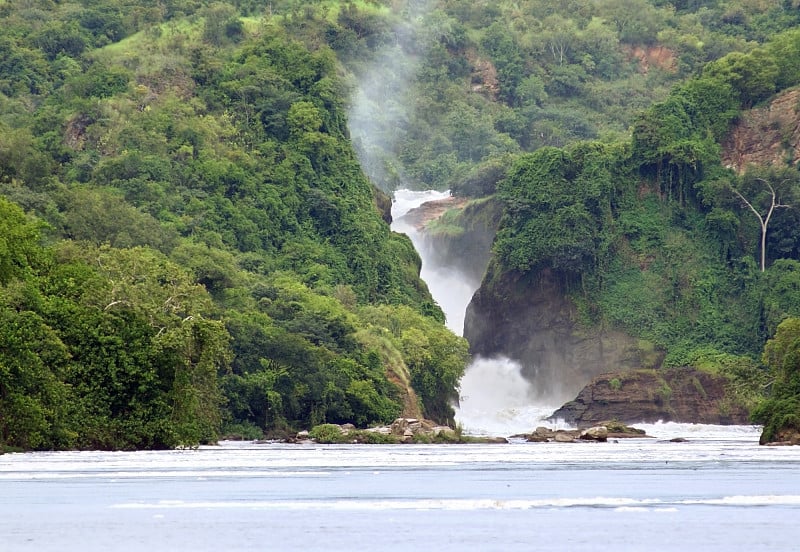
495,398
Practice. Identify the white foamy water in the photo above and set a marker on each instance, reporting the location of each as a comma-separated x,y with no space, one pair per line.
451,289
467,505
405,200
495,399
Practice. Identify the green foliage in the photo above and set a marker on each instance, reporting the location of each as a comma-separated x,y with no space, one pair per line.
434,357
108,348
243,431
19,242
555,205
327,434
217,254
753,75
781,411
669,250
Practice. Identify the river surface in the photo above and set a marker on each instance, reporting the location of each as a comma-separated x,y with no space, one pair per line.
717,491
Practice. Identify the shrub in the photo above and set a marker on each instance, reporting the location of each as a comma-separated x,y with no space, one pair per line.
328,434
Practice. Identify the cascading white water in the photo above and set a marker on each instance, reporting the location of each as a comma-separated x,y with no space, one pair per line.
495,398
451,289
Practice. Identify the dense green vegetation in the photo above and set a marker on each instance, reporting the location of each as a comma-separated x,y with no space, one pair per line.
189,245
499,77
780,414
654,236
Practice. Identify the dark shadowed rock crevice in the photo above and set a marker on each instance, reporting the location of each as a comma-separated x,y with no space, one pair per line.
530,319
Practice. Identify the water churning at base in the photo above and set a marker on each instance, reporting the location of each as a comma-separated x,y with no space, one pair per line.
495,398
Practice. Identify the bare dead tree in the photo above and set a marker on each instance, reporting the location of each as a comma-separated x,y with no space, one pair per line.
763,219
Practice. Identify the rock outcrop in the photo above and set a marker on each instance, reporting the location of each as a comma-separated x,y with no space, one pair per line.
464,242
410,429
600,433
786,436
678,395
531,322
530,319
766,136
401,430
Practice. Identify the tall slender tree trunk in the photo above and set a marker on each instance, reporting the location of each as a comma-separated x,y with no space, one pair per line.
762,220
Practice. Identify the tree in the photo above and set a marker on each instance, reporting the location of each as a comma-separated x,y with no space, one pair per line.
19,242
763,220
753,75
221,24
780,413
560,35
636,20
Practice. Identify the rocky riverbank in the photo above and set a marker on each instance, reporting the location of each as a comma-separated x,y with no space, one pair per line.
670,395
600,433
420,431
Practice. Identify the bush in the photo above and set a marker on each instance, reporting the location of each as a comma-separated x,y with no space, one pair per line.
329,434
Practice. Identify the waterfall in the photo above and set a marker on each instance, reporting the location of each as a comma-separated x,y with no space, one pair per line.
495,398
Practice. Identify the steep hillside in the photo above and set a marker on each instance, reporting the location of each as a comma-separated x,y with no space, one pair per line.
650,254
200,251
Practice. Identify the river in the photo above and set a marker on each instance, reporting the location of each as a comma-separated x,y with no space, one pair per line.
716,491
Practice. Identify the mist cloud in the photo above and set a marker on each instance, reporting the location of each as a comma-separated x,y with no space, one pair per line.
381,105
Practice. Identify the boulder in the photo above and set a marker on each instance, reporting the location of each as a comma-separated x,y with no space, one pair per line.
410,428
399,426
443,430
540,435
564,437
596,433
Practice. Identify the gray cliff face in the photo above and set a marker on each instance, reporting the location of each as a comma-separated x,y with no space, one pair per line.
530,319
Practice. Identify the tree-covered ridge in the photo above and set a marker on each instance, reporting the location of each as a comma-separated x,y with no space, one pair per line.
656,237
198,247
491,78
202,251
